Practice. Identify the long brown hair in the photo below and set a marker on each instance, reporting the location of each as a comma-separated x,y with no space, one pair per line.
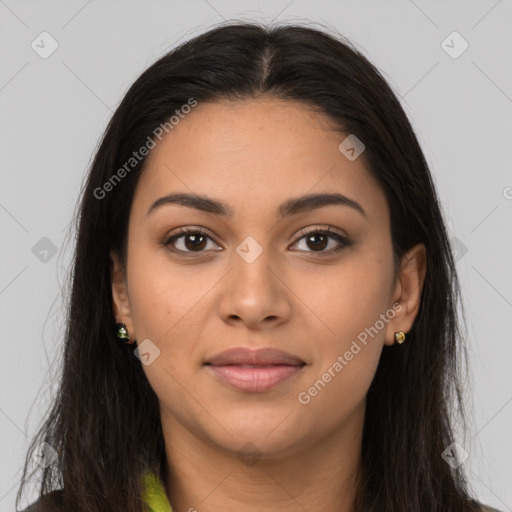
104,424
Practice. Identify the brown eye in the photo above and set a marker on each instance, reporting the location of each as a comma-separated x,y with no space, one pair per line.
195,240
318,240
190,240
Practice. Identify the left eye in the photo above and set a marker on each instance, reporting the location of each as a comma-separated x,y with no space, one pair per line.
319,240
195,241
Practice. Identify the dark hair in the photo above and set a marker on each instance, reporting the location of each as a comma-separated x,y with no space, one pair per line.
105,425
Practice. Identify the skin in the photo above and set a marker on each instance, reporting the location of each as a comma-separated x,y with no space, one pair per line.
253,155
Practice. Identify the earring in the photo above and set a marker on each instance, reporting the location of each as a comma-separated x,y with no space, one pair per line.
399,337
122,333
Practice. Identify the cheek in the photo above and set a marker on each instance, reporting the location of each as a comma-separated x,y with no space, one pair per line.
345,363
169,306
336,395
346,300
161,293
347,329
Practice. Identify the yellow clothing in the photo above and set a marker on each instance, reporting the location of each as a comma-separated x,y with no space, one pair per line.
154,494
156,498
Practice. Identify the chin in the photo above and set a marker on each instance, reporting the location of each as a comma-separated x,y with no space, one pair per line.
266,434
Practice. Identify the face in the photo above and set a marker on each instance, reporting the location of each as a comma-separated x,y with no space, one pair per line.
255,278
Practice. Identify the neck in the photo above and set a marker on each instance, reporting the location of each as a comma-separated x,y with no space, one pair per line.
320,475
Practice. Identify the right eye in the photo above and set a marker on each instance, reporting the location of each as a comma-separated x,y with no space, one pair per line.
194,240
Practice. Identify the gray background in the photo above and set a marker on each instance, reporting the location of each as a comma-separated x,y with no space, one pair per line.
55,109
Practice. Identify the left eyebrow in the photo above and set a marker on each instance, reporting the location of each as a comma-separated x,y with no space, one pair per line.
315,201
289,207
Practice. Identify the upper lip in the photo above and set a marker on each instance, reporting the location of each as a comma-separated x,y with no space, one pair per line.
262,356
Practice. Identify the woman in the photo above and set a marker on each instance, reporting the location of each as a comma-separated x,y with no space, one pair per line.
263,308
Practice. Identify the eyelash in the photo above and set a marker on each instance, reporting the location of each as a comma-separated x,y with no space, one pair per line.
182,232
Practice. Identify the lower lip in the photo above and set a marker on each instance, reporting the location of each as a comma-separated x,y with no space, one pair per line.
254,379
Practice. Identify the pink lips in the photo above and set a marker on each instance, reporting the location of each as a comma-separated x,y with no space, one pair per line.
254,370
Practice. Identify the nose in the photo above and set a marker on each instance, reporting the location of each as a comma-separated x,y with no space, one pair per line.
254,293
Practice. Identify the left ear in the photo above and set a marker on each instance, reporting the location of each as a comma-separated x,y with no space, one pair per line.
408,288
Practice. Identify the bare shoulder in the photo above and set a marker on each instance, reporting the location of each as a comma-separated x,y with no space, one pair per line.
51,502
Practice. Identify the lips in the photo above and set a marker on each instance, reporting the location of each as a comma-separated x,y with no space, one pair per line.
252,371
259,357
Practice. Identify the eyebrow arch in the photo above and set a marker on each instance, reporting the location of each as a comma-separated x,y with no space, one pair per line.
290,207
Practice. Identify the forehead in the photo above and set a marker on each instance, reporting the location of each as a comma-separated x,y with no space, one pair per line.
253,154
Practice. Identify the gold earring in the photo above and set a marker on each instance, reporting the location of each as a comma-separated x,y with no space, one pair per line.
399,337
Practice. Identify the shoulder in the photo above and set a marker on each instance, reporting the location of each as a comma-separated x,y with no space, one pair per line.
485,508
52,502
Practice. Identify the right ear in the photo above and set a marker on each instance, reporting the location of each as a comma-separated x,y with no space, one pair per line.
120,297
